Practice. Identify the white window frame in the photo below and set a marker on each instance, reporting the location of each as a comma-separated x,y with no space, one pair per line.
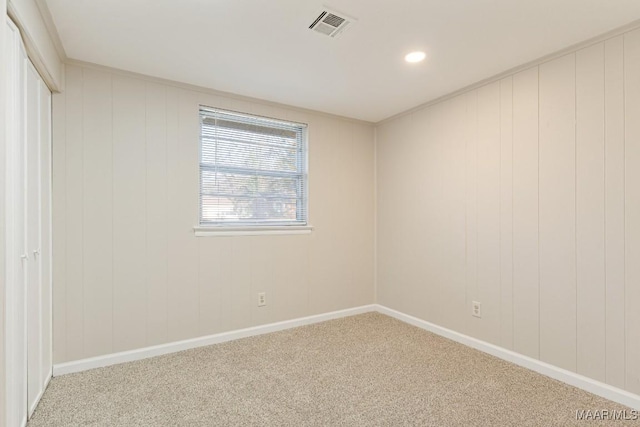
204,229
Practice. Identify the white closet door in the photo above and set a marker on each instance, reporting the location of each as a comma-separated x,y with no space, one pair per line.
34,232
28,173
17,258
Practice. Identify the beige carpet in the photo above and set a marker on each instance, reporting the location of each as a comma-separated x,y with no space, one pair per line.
366,370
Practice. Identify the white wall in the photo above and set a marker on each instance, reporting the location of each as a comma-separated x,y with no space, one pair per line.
524,195
128,270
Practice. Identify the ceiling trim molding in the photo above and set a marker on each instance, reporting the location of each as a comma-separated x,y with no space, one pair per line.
210,91
33,52
536,62
51,28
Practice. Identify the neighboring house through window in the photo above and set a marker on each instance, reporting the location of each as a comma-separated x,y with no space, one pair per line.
253,170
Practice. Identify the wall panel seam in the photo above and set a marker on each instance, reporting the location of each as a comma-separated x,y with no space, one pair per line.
604,195
624,192
538,205
146,213
113,278
82,213
500,207
513,283
575,200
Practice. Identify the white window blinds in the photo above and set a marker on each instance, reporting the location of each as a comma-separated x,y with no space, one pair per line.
253,170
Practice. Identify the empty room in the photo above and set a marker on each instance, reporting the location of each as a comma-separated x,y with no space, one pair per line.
320,213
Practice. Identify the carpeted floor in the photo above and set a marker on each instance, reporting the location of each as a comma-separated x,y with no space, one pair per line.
366,370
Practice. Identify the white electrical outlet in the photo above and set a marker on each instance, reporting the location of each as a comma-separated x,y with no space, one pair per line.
262,299
476,309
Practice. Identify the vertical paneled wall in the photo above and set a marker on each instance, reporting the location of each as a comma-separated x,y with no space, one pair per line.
128,269
524,195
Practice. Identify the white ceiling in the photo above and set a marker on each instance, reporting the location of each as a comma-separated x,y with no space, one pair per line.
264,49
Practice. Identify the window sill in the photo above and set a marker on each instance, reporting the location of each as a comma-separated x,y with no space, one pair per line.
251,231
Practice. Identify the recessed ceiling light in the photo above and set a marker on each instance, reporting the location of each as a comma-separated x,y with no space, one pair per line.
414,57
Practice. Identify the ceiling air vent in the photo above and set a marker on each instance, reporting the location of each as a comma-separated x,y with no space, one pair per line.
331,23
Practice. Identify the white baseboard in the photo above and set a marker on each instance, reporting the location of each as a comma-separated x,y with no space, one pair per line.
592,386
158,350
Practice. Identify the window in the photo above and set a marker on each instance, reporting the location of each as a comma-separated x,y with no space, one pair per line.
253,170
